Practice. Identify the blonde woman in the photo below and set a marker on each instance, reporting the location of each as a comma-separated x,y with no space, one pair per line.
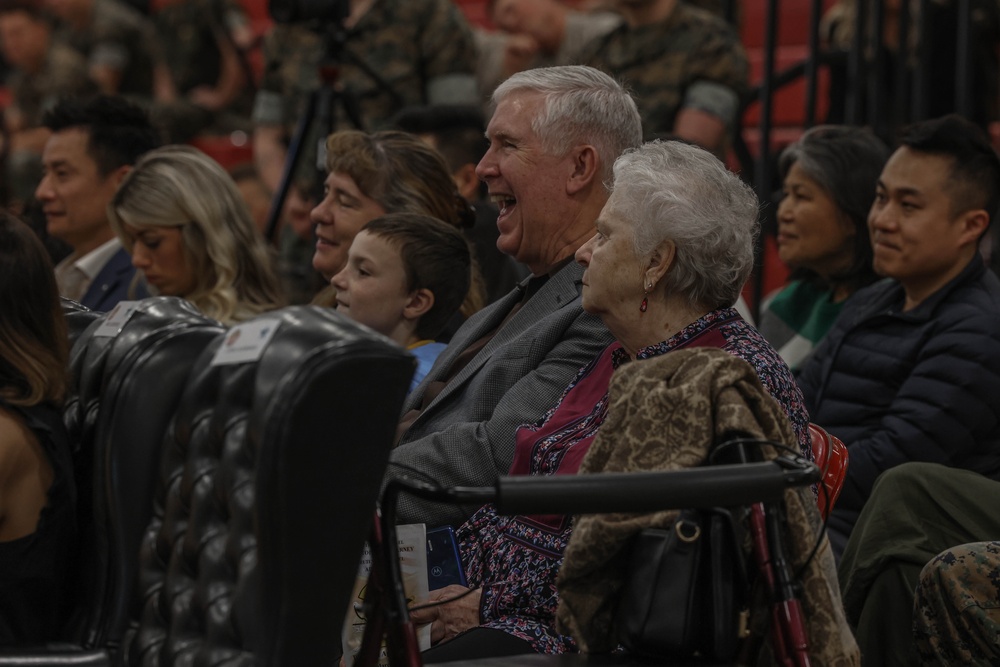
189,232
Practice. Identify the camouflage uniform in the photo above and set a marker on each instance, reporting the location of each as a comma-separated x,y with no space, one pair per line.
64,73
190,31
718,7
423,49
916,511
122,38
693,59
956,616
581,29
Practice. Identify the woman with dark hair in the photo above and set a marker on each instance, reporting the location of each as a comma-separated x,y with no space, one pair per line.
828,185
37,494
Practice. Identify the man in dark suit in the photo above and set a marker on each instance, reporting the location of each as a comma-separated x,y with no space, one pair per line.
554,137
94,143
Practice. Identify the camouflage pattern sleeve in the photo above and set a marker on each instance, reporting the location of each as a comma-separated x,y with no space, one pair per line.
65,74
449,55
718,60
693,58
291,57
118,38
956,615
421,51
718,7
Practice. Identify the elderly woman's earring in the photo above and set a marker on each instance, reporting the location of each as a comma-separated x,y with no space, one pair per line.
645,299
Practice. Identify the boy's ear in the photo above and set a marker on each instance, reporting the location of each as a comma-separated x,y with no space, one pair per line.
420,302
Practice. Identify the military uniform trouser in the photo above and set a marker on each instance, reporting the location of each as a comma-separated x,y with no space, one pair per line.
957,611
916,511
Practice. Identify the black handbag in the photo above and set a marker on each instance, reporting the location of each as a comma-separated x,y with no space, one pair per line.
686,595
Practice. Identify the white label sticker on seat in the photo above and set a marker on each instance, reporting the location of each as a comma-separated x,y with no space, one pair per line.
116,319
246,342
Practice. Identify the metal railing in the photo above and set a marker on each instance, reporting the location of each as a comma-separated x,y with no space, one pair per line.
884,86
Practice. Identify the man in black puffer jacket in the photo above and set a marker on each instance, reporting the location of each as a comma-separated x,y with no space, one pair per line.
911,369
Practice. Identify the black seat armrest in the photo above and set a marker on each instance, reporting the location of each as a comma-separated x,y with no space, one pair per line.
53,655
570,660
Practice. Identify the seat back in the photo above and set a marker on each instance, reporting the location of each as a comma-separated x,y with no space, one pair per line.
78,318
92,359
128,384
830,454
269,476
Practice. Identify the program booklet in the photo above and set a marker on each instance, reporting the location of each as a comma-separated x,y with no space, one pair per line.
412,540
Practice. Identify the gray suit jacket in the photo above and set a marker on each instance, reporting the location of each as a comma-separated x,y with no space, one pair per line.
466,435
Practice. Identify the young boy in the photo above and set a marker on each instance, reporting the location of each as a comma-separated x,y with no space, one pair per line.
406,275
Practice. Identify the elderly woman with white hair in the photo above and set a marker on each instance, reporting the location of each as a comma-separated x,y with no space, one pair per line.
674,246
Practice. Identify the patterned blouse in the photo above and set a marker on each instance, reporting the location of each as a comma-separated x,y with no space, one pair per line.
515,559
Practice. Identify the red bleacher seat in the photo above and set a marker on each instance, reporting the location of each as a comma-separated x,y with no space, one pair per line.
792,48
788,103
476,12
224,150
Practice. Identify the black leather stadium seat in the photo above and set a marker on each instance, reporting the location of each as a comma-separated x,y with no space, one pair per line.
265,486
145,369
137,373
265,495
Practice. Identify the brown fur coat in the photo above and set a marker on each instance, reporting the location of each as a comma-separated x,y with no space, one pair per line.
664,414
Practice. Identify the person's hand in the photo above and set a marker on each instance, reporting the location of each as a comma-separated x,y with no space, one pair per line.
451,618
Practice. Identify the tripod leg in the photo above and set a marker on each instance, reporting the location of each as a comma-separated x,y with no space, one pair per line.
318,100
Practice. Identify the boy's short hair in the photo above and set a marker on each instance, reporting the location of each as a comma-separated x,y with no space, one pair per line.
435,257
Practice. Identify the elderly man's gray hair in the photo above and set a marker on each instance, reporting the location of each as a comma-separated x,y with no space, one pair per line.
582,105
670,190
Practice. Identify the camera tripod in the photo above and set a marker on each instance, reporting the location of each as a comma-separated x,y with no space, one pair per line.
322,104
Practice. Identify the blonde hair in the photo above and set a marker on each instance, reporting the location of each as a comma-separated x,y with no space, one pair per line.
181,186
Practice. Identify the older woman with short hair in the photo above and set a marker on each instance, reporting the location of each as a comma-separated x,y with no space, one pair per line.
828,185
674,246
370,175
